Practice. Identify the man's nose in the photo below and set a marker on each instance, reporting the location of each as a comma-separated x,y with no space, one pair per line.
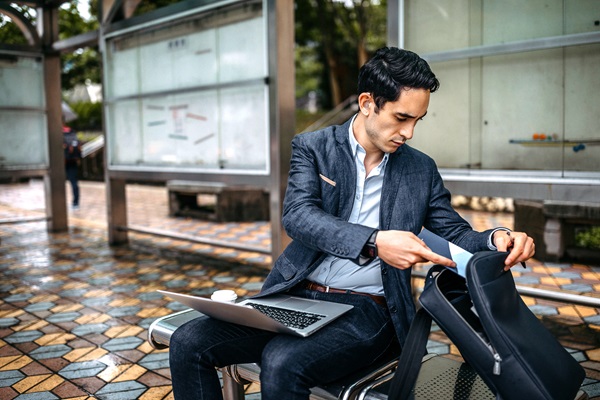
407,132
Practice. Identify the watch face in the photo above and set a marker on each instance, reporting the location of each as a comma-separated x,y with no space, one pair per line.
370,251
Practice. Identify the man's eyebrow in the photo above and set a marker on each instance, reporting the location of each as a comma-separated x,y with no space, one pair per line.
405,115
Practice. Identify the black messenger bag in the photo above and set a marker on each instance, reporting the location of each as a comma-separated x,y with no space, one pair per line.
495,332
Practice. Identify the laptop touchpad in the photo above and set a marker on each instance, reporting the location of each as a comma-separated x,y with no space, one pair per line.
299,304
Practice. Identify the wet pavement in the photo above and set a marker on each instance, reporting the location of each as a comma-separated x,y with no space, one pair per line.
74,311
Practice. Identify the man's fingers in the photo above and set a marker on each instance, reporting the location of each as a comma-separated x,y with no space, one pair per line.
438,259
521,249
503,240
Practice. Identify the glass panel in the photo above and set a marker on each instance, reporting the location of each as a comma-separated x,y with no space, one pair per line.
582,16
244,128
437,25
444,132
523,111
181,130
184,61
23,138
211,117
513,20
522,96
121,65
208,130
126,146
21,82
23,141
582,119
241,56
192,54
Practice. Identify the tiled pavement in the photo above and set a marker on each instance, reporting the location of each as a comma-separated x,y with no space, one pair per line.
74,310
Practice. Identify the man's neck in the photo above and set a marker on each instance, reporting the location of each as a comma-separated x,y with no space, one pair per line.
373,154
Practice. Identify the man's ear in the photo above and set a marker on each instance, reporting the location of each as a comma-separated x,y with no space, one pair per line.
364,102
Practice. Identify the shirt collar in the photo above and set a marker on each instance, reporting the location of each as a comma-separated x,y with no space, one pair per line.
354,145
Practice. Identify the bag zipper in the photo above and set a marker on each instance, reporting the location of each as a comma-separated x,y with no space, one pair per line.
496,370
497,361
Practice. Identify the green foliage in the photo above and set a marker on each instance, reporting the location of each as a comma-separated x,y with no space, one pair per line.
588,238
89,116
9,31
308,70
71,23
151,5
83,64
341,35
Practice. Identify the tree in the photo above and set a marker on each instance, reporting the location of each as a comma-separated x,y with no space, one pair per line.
10,34
83,65
344,34
333,39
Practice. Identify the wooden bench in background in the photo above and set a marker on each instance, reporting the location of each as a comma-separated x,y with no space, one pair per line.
553,225
231,203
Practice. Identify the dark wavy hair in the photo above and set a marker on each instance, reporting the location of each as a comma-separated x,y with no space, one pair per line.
392,70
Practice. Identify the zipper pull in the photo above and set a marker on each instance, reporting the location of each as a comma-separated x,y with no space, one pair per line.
497,361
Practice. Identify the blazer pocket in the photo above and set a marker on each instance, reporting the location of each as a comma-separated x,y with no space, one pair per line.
326,179
285,267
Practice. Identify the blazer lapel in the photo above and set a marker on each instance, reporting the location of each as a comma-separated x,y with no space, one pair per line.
391,185
347,171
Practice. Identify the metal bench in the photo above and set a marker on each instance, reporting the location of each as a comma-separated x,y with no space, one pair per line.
232,202
236,376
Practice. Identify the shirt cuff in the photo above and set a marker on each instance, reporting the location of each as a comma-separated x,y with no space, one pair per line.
490,241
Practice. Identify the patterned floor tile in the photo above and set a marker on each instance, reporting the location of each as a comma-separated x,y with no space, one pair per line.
74,311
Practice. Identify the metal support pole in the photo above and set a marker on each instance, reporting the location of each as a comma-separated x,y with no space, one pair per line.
281,77
394,23
232,389
116,209
55,188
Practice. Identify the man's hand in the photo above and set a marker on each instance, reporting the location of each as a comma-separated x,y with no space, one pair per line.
520,245
402,250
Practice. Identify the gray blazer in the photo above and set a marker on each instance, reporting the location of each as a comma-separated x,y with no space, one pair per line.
319,199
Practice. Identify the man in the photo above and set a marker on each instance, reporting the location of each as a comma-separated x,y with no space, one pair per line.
357,196
72,149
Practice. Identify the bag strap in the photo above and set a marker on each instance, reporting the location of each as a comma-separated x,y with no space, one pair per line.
413,351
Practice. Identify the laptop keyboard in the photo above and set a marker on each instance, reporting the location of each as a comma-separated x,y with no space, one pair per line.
290,318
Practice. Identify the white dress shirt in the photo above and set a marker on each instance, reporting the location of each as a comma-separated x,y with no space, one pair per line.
342,273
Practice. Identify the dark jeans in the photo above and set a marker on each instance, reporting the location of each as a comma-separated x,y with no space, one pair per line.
290,365
72,178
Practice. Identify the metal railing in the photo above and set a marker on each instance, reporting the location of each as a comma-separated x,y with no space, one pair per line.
92,146
340,112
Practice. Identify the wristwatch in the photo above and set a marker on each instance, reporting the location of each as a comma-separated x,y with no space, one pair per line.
369,251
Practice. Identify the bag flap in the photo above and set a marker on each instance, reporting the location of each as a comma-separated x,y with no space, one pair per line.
515,332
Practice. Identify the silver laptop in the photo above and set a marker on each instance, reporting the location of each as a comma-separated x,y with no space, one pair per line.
277,313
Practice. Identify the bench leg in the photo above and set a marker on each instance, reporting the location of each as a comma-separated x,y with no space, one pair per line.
232,390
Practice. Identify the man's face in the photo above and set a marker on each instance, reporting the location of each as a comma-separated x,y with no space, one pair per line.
395,122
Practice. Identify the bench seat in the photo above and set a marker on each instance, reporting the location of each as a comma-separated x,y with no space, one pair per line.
232,203
236,376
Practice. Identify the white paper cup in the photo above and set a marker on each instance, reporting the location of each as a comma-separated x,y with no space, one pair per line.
224,296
